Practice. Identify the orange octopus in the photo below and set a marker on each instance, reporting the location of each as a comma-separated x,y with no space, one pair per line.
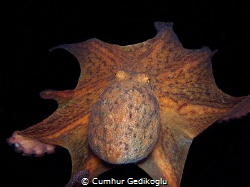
141,103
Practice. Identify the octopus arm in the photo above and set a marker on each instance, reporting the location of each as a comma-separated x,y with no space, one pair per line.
67,126
241,109
189,102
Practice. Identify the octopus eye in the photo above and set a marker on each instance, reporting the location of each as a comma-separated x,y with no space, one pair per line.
144,79
121,75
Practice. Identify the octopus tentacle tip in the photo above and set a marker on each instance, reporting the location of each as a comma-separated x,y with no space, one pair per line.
162,25
78,177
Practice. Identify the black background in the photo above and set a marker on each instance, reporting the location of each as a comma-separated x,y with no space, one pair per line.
220,156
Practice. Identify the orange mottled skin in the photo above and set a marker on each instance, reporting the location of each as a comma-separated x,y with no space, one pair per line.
124,123
181,80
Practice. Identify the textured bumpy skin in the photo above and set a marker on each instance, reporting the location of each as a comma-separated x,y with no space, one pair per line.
124,123
182,82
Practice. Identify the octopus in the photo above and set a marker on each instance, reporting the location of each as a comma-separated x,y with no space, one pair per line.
142,103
